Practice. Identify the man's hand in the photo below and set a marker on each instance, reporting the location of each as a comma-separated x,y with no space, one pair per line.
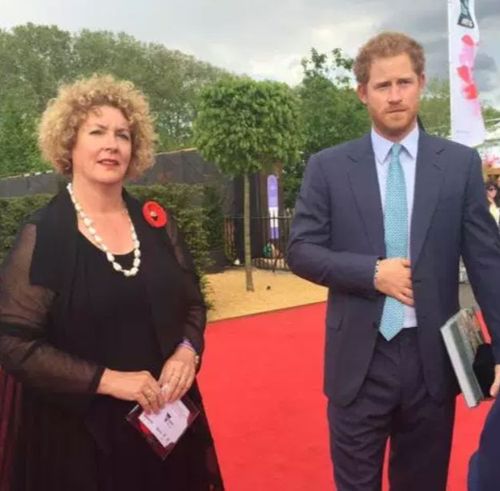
394,279
496,383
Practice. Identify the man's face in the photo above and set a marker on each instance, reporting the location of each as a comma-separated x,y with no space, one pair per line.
392,96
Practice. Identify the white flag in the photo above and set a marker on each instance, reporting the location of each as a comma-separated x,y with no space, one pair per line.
467,125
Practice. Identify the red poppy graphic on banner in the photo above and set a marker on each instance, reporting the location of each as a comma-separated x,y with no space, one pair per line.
467,125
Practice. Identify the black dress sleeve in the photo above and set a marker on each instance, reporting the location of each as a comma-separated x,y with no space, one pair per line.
196,317
24,315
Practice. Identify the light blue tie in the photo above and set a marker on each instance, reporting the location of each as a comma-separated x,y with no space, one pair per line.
396,237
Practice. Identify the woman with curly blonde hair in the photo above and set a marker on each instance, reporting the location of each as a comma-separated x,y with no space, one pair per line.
100,309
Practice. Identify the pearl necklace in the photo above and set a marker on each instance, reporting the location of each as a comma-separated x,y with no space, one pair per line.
89,225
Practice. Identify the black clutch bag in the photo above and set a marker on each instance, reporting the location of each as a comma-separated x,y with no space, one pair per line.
484,367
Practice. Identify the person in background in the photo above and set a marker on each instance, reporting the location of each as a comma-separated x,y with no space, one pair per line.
492,195
100,310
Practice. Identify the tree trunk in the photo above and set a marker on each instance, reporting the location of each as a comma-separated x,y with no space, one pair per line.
246,233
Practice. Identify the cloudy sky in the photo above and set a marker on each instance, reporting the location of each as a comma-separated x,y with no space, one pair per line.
266,38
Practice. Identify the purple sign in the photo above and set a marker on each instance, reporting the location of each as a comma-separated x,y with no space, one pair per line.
272,206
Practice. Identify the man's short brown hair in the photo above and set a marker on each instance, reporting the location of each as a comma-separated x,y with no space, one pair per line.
386,45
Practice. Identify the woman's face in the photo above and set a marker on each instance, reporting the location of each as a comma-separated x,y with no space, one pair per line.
492,192
103,147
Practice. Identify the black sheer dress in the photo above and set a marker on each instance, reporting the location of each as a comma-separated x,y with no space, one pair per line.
65,314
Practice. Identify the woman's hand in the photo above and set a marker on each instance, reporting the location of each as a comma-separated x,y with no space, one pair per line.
132,386
178,374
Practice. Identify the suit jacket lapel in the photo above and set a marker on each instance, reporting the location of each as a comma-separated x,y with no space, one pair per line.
364,184
428,180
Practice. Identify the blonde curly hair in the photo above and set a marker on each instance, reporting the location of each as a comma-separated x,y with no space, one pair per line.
64,115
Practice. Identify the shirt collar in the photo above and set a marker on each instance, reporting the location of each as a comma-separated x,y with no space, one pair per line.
382,146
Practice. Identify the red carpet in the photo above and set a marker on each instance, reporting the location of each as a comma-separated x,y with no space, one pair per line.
262,385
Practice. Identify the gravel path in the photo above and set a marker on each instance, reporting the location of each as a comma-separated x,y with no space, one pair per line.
273,291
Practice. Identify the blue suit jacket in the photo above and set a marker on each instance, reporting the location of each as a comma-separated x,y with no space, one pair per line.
337,235
484,469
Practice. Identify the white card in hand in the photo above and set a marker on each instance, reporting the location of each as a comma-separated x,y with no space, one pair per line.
169,423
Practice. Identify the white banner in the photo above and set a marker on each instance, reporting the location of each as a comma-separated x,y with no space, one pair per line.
467,125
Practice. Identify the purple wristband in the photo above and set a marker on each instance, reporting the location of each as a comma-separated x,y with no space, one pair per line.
186,343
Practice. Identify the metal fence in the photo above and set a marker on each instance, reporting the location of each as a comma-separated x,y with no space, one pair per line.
268,239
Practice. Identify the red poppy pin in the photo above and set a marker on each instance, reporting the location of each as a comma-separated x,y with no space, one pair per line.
155,214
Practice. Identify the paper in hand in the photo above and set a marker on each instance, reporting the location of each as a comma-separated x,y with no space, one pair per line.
163,430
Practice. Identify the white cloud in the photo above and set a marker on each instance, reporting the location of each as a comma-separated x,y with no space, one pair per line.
284,68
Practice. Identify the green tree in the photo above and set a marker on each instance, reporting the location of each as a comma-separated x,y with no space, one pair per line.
32,61
35,60
245,126
171,79
330,111
18,135
435,108
491,116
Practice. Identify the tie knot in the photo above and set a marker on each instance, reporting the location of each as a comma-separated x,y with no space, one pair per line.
396,150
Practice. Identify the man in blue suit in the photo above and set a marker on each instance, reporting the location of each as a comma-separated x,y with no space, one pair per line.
382,222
